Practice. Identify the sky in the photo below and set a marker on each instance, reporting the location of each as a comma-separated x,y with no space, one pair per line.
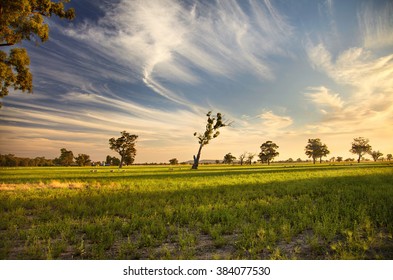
280,70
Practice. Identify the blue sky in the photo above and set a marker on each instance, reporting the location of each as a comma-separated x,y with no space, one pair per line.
284,71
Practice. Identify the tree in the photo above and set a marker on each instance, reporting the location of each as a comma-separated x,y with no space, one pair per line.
66,157
323,152
389,157
376,155
360,147
228,158
268,152
250,156
125,146
242,157
173,161
24,20
339,159
316,149
83,160
212,131
112,160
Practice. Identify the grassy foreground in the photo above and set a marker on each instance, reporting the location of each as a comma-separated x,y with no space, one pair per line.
217,212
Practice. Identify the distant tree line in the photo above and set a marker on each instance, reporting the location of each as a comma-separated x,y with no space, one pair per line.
125,147
315,150
66,158
11,160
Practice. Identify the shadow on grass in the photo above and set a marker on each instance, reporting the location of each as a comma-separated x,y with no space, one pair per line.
46,175
257,216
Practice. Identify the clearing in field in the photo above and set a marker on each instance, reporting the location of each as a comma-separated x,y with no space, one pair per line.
216,212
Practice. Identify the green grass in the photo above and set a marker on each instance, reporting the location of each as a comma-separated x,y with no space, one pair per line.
216,212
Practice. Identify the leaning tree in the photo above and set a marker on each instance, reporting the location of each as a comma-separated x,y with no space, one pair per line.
125,146
360,146
212,131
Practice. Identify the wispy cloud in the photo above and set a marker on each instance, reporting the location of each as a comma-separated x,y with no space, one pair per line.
323,97
376,25
174,42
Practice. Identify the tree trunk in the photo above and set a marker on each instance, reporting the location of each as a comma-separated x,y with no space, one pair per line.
196,158
121,162
313,160
360,155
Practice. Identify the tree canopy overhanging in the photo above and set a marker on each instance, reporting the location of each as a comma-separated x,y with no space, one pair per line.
24,20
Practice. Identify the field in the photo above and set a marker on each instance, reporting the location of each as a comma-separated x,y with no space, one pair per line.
217,212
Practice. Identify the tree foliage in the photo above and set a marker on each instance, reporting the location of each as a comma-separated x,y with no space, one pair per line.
112,160
229,158
376,155
212,131
83,160
360,146
24,20
66,158
125,146
250,157
268,152
173,161
316,149
11,160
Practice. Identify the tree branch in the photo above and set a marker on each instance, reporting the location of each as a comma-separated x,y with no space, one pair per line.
6,44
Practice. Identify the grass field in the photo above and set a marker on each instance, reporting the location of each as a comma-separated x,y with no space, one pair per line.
216,212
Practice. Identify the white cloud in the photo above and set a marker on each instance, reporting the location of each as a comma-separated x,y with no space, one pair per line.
376,25
369,101
275,122
323,97
170,41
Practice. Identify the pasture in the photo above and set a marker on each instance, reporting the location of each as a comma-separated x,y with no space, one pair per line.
299,211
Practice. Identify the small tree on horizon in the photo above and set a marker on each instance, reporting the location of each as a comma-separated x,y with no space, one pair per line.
360,146
389,157
250,157
268,152
173,161
112,160
82,159
316,149
66,157
125,146
242,157
228,158
376,155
